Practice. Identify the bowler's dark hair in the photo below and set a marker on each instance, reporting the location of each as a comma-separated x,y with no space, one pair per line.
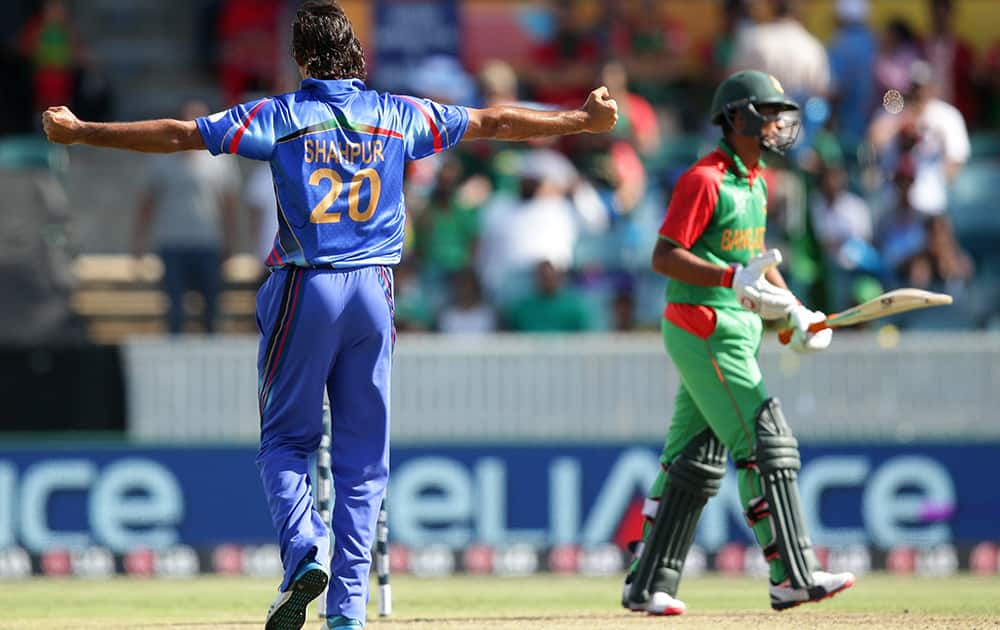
323,41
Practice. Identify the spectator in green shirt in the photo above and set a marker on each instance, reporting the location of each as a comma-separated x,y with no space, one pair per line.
448,228
552,307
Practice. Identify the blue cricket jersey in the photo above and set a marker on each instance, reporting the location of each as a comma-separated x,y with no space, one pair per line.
338,153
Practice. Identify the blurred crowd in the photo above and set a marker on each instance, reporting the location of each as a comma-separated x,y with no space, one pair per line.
557,236
885,187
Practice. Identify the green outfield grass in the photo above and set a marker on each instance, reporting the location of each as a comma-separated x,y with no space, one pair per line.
549,602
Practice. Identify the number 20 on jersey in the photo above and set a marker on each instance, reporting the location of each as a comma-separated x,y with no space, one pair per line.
355,188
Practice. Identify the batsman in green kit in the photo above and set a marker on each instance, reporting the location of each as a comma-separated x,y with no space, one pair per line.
723,282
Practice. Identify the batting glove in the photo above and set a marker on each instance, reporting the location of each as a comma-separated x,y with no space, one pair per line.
755,293
804,341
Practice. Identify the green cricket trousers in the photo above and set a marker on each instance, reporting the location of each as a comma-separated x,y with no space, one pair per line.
721,389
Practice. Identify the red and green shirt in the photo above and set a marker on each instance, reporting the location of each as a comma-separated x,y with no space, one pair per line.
718,211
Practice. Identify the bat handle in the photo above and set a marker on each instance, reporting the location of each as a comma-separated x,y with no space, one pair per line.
785,334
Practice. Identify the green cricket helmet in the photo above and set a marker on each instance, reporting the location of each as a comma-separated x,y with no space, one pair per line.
746,92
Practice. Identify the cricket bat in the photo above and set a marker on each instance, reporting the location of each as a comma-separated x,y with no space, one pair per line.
898,301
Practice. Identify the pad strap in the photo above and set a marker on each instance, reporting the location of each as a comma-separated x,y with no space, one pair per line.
746,462
771,552
757,510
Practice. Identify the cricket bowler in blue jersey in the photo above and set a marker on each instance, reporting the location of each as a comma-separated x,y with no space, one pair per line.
337,153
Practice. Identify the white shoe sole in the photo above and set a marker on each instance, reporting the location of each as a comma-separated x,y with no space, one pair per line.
779,606
669,611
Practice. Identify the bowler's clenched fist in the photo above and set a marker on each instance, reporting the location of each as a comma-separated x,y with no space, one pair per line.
602,110
61,125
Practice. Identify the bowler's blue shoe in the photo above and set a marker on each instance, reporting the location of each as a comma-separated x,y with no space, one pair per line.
288,612
344,623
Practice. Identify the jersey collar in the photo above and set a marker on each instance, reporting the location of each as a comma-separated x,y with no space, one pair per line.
333,87
737,164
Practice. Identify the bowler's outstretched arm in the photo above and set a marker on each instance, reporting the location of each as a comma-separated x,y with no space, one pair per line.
598,114
149,136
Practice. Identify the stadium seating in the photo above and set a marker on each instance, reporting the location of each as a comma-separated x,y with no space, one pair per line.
117,297
31,152
149,50
972,206
34,250
985,145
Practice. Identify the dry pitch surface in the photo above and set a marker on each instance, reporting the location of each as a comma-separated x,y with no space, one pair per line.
480,603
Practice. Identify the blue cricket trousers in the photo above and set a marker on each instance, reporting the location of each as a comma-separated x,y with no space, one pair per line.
333,329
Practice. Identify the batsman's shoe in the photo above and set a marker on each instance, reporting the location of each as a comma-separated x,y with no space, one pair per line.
288,612
662,604
783,596
344,623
